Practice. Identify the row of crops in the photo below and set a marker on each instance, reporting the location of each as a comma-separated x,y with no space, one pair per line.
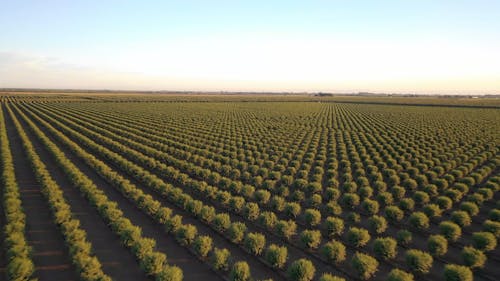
253,190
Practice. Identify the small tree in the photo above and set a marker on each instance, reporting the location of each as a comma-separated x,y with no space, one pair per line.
236,231
185,234
220,259
251,211
470,207
334,251
404,237
312,217
492,226
292,209
377,224
437,245
221,222
399,275
170,273
240,272
453,272
385,248
310,238
255,242
461,218
484,241
418,261
370,207
301,270
450,230
418,221
364,265
203,245
358,237
334,226
276,256
473,258
286,229
329,277
394,214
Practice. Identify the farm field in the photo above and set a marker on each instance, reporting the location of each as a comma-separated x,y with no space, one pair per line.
104,187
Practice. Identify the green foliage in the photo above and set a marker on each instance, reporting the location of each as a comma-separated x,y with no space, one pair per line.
301,270
364,265
399,275
329,277
220,259
312,217
202,245
454,272
370,207
276,256
358,237
484,241
385,248
404,237
334,226
185,234
437,245
236,231
310,238
450,230
393,214
255,243
461,218
419,262
334,251
221,222
473,258
377,224
286,229
240,272
418,221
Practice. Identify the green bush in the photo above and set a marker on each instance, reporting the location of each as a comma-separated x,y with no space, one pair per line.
404,237
419,262
350,200
255,242
353,217
407,204
418,221
333,208
432,210
221,222
492,226
334,251
358,237
236,231
377,224
170,273
202,245
276,256
267,219
310,238
301,270
461,218
262,196
437,245
453,272
185,234
399,275
394,214
220,259
334,226
470,207
484,241
329,277
370,207
292,209
286,229
421,198
385,248
398,192
444,202
364,265
251,211
450,230
240,272
473,257
495,215
312,217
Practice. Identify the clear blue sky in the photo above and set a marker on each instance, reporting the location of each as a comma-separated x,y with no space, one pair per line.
397,46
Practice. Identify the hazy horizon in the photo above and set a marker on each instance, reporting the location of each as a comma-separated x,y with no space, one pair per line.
434,47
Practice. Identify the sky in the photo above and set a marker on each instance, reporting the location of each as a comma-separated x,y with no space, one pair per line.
396,46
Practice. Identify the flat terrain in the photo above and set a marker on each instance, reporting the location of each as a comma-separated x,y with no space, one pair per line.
186,176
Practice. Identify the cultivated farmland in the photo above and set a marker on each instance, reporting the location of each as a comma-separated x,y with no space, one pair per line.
104,187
